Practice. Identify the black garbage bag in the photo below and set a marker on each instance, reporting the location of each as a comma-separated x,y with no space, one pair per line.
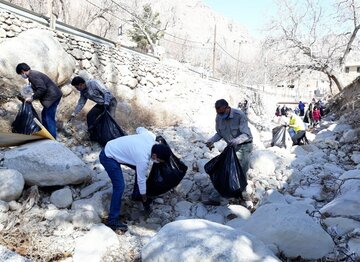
165,176
104,128
306,117
279,136
93,114
24,121
226,173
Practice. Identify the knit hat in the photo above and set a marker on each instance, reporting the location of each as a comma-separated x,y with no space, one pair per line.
162,151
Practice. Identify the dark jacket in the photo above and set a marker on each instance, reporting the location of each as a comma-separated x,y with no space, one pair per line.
45,90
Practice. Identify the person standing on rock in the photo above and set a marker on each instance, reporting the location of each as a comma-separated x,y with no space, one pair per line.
231,125
95,91
44,90
301,107
135,151
316,115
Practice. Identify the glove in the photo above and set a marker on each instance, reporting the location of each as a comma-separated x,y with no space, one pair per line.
233,142
238,140
210,145
29,99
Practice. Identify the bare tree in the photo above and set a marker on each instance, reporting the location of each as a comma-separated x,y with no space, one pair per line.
310,37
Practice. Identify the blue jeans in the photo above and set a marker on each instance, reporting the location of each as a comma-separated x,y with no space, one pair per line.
291,132
113,169
48,117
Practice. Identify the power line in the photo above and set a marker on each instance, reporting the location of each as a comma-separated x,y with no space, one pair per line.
101,8
176,37
226,52
150,25
121,19
132,13
223,49
183,44
192,41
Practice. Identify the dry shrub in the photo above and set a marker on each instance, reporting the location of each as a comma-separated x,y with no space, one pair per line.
25,234
140,115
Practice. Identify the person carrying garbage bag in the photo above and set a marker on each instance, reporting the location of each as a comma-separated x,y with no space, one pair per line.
296,127
95,91
46,91
231,125
135,151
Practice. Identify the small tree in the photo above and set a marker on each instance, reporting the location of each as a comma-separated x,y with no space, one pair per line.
146,29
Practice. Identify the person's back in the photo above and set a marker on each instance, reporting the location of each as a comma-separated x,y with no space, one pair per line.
301,108
44,88
301,105
46,91
131,149
296,128
297,123
316,114
97,92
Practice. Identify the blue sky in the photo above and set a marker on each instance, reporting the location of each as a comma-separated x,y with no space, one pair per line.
249,13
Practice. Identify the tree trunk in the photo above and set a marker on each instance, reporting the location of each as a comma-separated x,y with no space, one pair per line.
336,81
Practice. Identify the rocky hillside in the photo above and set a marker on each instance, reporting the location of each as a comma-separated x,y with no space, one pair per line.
346,104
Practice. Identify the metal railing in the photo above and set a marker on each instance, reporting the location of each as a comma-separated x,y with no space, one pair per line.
60,26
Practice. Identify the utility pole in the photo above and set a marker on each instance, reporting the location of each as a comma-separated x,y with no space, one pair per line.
52,22
213,62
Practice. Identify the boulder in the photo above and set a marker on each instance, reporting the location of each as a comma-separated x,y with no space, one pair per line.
201,240
47,163
99,203
11,184
263,162
289,227
46,55
350,136
95,244
85,218
346,205
61,198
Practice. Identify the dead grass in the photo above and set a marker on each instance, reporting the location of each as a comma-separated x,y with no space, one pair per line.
25,234
140,115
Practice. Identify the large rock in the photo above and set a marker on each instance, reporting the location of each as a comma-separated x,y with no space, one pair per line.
201,240
39,49
345,205
288,227
99,203
62,198
95,244
47,163
11,184
263,162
